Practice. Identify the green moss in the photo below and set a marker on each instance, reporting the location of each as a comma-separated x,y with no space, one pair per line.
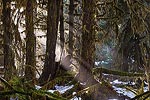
115,72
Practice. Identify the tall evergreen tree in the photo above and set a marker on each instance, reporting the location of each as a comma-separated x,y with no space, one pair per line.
8,38
88,45
62,38
30,43
49,70
88,39
71,21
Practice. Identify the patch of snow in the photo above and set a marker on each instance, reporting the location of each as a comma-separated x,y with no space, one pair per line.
97,63
124,92
76,98
38,87
51,91
74,93
105,74
146,89
14,98
63,89
118,82
101,62
132,83
104,62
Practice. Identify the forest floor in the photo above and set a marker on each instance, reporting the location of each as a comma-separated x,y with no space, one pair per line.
127,88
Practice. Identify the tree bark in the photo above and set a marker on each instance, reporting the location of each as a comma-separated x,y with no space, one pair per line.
88,46
71,21
30,44
9,66
88,38
49,70
96,90
62,38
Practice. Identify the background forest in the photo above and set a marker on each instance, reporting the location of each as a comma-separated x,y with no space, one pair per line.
74,49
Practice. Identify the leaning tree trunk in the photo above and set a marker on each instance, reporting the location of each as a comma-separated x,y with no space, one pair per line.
8,38
30,44
49,70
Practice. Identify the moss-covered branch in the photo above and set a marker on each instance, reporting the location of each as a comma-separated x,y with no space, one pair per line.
11,92
6,83
32,92
99,70
36,93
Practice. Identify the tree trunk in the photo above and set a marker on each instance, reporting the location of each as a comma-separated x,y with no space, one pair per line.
88,45
62,38
88,38
49,70
71,21
96,91
126,46
30,44
9,66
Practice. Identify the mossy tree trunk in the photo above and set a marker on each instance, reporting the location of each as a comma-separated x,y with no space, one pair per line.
87,62
148,53
50,69
30,44
9,66
88,47
88,39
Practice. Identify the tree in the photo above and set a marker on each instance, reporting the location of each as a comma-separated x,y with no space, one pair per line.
49,70
71,22
8,38
88,45
30,44
62,39
86,77
88,39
